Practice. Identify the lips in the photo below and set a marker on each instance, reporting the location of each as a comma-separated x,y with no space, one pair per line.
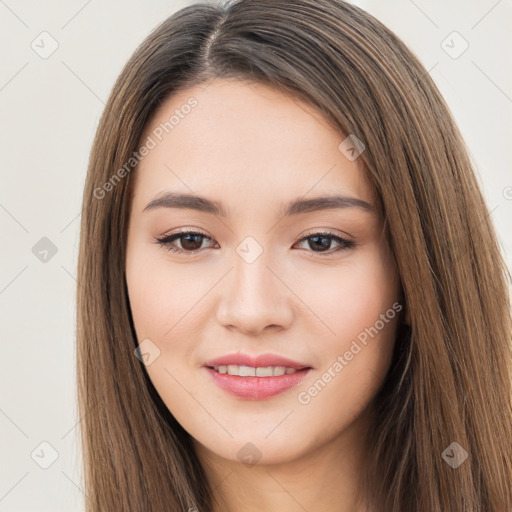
256,387
261,360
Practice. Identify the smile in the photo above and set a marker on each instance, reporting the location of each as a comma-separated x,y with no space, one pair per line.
251,371
244,382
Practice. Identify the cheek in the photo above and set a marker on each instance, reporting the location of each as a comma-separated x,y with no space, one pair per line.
167,308
359,310
160,294
161,299
352,298
362,310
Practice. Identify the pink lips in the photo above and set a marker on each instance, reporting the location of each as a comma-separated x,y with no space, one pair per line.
261,360
256,388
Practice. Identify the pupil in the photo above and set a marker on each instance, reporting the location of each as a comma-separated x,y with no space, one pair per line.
315,238
186,240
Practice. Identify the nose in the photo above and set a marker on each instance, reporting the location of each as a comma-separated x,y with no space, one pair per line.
255,297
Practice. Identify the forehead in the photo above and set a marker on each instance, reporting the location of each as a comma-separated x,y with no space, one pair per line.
245,140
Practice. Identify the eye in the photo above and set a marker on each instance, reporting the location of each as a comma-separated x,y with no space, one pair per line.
191,242
323,239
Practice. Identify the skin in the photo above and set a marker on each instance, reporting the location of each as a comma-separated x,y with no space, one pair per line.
253,148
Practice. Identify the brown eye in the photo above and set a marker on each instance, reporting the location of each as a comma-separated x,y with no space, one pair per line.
190,242
321,242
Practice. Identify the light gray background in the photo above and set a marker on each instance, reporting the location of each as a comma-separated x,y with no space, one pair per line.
49,110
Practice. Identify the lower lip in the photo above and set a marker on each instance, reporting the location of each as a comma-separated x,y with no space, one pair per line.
256,388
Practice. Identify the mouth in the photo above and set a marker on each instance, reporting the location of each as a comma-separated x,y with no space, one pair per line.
262,362
256,383
251,371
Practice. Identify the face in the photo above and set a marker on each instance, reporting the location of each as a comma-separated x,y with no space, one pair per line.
268,270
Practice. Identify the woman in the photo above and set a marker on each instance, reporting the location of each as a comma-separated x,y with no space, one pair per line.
292,296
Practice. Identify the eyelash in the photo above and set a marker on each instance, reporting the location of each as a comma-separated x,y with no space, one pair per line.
166,241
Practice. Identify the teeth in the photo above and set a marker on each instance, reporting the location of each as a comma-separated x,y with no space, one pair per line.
245,371
250,371
264,372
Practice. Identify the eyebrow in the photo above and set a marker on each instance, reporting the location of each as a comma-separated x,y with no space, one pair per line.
294,207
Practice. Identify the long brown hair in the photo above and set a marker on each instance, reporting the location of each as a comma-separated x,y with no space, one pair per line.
451,378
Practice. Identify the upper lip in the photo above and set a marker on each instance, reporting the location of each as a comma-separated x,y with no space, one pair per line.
261,360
